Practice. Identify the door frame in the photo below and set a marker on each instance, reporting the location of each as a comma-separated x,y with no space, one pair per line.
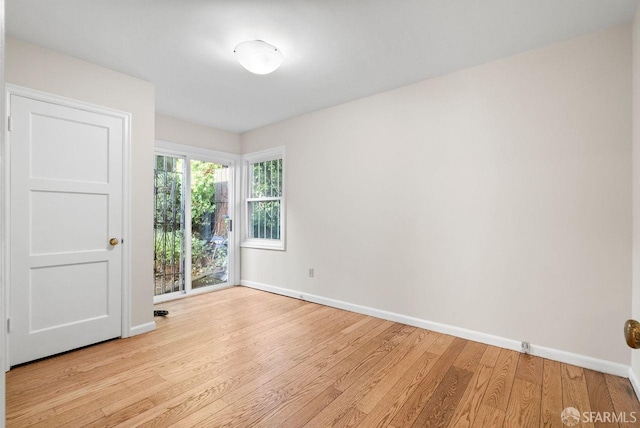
197,153
10,90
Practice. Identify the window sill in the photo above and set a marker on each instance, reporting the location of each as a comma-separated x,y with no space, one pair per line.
263,244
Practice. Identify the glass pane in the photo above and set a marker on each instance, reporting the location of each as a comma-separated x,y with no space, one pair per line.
265,217
267,179
209,223
168,225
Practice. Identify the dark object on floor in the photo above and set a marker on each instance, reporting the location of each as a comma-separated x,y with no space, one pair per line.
160,313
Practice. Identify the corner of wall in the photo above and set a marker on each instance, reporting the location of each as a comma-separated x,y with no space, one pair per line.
179,131
635,281
142,328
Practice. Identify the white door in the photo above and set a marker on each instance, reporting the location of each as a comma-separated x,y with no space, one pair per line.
66,191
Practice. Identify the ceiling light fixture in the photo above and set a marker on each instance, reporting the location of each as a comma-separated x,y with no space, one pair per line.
258,57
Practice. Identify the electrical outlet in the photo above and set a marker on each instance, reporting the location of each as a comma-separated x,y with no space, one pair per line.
526,347
311,272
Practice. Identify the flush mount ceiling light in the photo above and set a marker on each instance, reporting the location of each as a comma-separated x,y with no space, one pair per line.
258,57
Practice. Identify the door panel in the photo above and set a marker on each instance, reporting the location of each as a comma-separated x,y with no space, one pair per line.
66,203
168,225
50,287
58,222
57,138
209,223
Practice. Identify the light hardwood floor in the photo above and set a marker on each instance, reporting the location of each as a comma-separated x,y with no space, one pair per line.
245,358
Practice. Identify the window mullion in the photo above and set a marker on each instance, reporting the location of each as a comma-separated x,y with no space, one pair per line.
187,229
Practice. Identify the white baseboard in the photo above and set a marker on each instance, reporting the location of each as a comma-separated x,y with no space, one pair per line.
142,328
580,360
476,336
633,378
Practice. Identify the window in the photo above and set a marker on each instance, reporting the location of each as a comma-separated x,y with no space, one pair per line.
264,199
168,225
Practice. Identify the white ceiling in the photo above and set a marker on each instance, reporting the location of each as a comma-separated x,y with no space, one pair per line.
334,50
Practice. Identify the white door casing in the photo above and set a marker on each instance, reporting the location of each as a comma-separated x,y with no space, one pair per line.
67,176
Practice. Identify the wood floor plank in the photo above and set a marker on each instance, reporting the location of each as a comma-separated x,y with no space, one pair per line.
249,409
257,412
88,362
122,417
319,359
441,344
420,343
392,402
470,403
489,417
311,408
27,419
443,402
243,357
599,398
350,369
78,420
356,325
99,401
350,419
530,369
254,401
490,356
360,388
190,388
574,390
291,405
470,356
523,409
192,419
172,410
501,382
551,404
197,398
117,370
418,399
623,397
272,335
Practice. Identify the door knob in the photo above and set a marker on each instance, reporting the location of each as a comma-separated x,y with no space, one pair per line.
632,333
113,241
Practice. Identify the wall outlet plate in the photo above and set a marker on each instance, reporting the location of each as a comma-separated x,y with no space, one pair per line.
311,272
526,347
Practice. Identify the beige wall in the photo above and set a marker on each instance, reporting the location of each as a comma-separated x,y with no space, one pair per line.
495,199
50,71
179,131
636,181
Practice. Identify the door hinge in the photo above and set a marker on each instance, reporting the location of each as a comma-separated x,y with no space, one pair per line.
9,124
8,325
230,225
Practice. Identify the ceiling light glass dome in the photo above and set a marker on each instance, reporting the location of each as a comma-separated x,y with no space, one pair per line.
258,57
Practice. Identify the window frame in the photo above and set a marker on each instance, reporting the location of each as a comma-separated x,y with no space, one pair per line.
247,161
